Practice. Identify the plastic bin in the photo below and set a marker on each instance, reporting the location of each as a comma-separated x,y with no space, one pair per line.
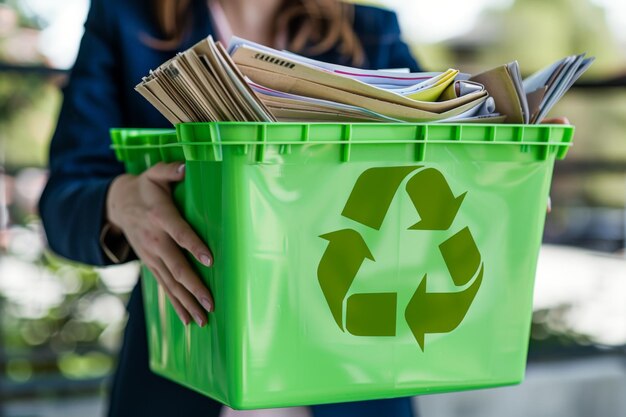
353,261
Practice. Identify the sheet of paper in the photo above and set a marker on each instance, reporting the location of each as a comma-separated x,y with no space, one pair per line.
308,102
460,89
261,112
534,100
248,58
218,79
308,88
156,102
516,77
374,77
570,74
501,87
208,87
540,78
486,109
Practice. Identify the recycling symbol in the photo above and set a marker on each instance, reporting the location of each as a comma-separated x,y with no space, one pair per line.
374,314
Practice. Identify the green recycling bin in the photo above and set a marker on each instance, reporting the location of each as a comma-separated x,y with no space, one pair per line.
353,261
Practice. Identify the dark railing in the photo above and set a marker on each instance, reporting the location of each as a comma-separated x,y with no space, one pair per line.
32,69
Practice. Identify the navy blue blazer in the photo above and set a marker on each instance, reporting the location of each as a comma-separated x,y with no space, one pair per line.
100,95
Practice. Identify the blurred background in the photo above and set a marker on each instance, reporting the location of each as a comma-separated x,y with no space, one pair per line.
61,323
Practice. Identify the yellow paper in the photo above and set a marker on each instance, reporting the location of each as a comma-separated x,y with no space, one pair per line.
432,93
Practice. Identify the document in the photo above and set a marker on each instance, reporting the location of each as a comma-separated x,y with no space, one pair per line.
251,82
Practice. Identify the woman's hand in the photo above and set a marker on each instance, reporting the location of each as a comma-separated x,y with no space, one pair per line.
556,121
142,208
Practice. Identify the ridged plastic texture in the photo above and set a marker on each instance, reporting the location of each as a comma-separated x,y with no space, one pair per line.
353,261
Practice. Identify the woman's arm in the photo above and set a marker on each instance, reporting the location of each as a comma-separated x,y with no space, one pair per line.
142,208
399,54
87,187
81,163
379,32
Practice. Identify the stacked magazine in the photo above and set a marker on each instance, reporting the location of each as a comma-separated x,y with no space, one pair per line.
251,82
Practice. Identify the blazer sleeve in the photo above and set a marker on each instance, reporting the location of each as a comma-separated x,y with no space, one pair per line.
82,165
400,55
379,32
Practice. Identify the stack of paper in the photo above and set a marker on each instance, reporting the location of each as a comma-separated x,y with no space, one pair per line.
530,100
323,90
252,82
202,84
544,88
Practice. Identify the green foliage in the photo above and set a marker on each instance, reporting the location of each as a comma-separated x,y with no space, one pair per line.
26,18
28,110
537,32
67,331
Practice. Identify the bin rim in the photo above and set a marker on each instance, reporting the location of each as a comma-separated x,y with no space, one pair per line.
353,133
211,133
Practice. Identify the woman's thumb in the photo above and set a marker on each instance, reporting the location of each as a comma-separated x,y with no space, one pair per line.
162,172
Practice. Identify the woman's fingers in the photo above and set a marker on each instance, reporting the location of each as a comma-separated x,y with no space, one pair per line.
182,313
179,293
549,208
556,121
185,290
181,271
157,232
166,173
166,215
168,218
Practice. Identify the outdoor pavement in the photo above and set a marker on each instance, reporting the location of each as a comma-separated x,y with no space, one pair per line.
592,387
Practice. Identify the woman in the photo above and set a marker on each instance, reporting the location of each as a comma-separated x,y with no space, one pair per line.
96,214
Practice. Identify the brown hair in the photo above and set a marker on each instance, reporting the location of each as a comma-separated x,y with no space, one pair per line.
312,26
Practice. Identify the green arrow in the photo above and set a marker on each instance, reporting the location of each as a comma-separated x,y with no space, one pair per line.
461,256
340,263
438,312
372,194
372,314
433,200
